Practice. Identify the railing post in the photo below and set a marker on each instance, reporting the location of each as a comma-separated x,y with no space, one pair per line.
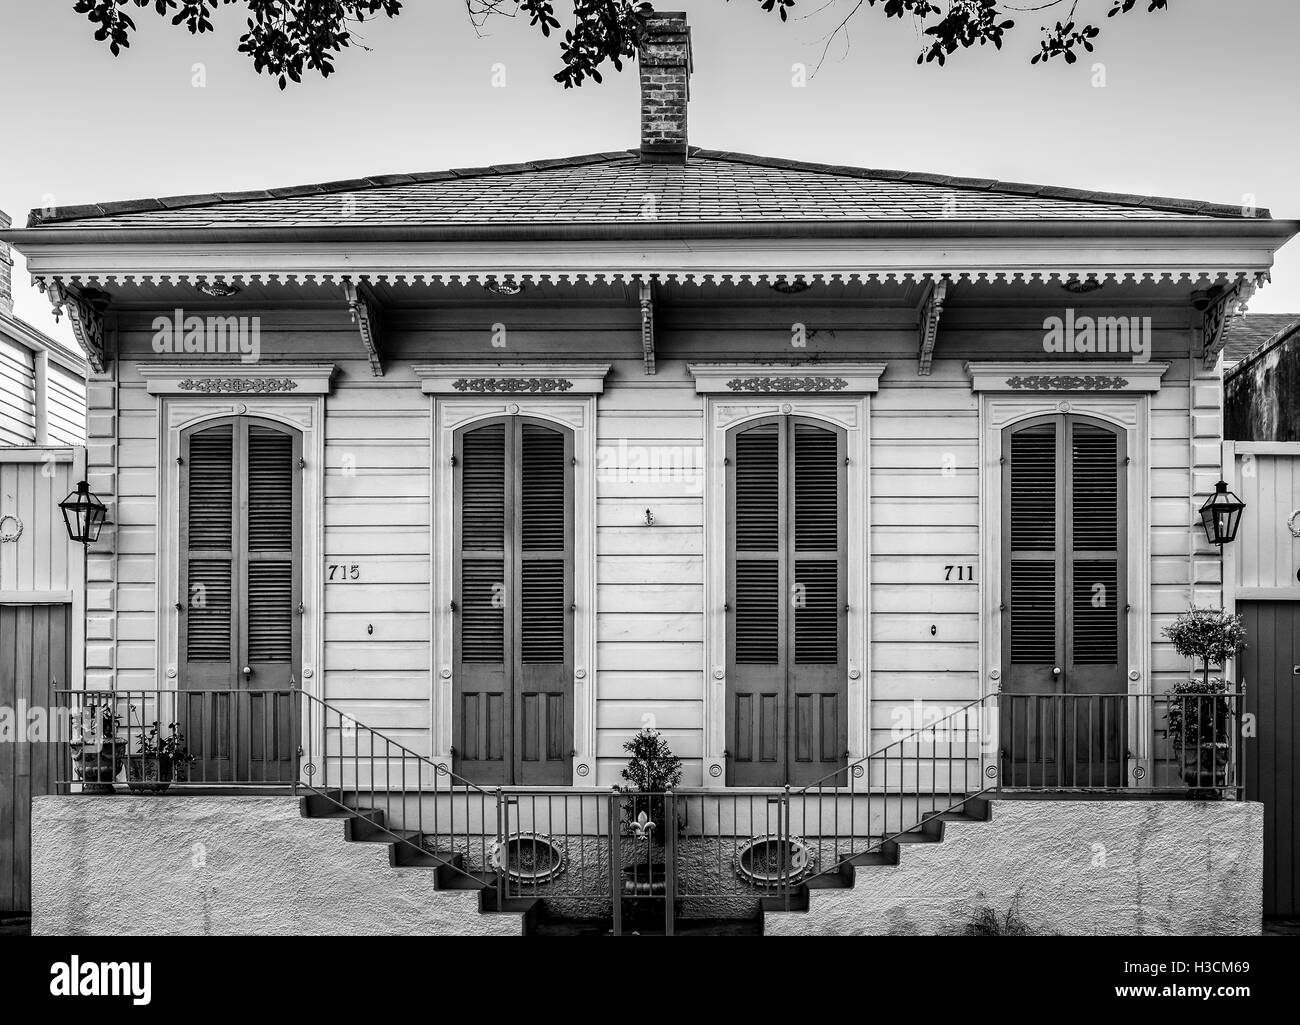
503,848
670,860
785,851
615,868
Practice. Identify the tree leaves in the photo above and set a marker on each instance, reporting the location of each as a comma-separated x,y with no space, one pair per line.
287,38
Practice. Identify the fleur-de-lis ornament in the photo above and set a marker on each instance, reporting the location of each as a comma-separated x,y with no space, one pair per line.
643,827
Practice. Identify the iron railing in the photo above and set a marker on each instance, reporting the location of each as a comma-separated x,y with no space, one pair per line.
636,859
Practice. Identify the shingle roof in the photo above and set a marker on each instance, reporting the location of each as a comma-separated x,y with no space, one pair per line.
613,188
1245,334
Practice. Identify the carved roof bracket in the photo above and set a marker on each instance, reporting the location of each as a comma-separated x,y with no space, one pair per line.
366,314
648,324
930,312
85,309
1225,303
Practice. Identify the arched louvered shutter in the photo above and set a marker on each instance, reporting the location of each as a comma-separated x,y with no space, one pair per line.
1064,602
514,564
787,687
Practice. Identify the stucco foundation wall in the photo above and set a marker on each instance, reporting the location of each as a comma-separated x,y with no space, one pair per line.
199,866
1149,868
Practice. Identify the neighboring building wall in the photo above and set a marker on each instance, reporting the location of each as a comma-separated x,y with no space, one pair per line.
650,624
42,386
1091,868
1262,394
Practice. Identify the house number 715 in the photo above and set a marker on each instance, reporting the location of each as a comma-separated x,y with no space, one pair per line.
337,571
963,572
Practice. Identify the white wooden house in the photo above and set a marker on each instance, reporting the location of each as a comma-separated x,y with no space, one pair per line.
488,469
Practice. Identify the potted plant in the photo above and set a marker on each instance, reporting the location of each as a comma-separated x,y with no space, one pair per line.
97,751
1200,715
160,760
651,771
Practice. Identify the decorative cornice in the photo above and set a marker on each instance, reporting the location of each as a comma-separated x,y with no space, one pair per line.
794,379
219,385
512,378
366,314
512,385
236,378
1045,376
769,385
931,311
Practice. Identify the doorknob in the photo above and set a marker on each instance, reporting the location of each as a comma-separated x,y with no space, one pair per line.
1056,670
248,671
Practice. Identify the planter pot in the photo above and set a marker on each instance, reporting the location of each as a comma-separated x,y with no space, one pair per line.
153,774
98,765
1205,767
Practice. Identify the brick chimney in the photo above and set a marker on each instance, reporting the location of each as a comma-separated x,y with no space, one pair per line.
6,270
665,60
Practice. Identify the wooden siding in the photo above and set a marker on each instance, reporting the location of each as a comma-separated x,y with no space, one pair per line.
17,394
924,513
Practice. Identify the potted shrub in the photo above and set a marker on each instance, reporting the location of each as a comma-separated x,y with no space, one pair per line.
160,760
1200,716
651,770
97,751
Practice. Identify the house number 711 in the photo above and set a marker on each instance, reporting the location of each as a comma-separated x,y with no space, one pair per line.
963,573
337,571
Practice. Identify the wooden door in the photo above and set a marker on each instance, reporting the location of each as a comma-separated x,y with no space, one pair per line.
241,581
1269,671
34,652
513,687
1064,606
787,689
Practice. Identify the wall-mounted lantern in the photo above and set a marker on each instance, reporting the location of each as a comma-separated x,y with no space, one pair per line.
83,515
1221,514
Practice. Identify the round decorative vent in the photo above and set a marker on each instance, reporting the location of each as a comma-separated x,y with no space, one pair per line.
762,860
532,857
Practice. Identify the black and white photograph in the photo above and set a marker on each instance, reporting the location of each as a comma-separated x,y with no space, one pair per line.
824,469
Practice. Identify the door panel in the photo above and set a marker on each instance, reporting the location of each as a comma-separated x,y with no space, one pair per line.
1268,670
241,582
786,680
514,551
1064,603
35,660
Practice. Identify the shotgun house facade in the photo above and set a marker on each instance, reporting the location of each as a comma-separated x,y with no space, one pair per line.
442,483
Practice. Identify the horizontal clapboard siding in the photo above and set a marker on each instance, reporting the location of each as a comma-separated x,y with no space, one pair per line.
924,511
17,394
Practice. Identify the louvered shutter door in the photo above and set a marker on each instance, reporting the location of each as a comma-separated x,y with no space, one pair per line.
756,691
482,715
208,565
787,686
543,701
1095,724
818,685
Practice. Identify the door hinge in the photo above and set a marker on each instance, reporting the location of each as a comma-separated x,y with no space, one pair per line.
452,606
453,461
302,463
301,608
180,461
180,606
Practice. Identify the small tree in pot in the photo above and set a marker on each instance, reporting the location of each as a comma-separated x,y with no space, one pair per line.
1200,716
652,769
159,761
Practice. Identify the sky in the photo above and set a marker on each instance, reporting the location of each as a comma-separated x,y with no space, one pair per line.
1197,102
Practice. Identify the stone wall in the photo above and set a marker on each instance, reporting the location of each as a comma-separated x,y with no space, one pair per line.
194,865
1149,868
